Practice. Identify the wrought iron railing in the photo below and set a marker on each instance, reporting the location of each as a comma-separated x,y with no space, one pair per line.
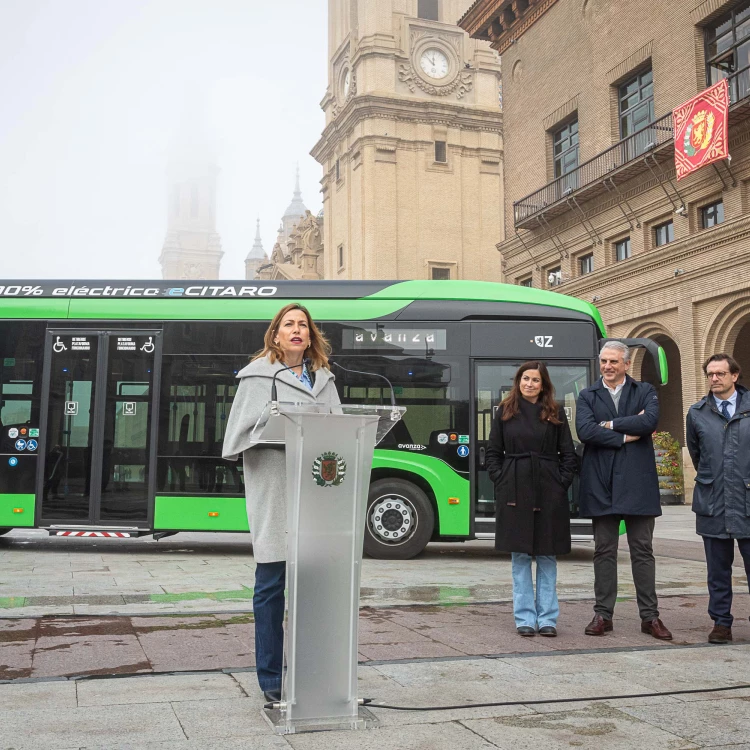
657,133
739,85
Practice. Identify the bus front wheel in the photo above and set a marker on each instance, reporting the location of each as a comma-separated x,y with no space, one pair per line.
400,520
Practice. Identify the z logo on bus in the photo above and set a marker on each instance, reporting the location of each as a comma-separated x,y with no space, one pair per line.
544,341
329,470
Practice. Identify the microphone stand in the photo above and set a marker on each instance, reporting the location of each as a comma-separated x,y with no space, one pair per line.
274,394
395,413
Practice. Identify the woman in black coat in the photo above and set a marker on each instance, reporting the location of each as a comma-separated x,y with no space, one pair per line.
531,461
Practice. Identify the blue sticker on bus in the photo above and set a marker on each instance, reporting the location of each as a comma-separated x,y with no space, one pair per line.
13,461
463,451
32,445
20,445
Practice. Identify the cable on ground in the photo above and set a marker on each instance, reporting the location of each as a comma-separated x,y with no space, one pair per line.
374,704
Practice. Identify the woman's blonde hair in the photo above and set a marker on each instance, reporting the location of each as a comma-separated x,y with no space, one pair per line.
318,351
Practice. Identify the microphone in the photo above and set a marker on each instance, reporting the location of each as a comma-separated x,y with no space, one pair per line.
274,395
395,415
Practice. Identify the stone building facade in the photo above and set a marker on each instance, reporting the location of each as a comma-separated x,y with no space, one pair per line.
300,256
412,149
192,247
592,204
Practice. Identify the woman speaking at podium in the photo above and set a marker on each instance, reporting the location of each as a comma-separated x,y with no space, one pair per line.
296,352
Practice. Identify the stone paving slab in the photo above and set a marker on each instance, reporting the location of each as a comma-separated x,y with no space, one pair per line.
195,572
223,710
155,689
69,646
52,729
444,736
589,728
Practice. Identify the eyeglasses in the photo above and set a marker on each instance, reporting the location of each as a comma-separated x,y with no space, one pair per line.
720,375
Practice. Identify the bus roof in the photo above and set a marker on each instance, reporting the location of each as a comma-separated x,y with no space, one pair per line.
142,299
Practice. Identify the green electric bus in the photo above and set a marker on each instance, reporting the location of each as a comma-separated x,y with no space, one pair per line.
114,397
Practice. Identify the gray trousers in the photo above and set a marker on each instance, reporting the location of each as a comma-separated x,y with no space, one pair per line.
640,531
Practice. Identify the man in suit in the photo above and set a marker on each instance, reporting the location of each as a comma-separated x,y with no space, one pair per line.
718,439
614,420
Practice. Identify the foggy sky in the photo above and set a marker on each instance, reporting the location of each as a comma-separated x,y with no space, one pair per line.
92,97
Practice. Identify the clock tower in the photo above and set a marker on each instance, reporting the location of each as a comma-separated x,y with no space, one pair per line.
412,147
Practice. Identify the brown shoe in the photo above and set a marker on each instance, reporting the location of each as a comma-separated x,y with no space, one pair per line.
720,634
656,628
598,626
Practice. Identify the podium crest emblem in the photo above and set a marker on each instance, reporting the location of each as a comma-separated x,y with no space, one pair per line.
329,470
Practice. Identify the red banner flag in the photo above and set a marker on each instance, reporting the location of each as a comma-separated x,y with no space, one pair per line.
701,129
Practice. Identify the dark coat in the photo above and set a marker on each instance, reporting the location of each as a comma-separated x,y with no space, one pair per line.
616,477
532,464
720,452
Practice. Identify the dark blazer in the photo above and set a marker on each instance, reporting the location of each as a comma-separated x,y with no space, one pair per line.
720,452
617,477
532,464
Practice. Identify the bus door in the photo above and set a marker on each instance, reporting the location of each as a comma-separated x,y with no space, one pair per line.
492,381
98,431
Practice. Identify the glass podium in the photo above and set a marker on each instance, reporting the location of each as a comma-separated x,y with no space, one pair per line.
329,454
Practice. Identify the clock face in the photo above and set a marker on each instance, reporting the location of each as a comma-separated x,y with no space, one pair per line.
434,63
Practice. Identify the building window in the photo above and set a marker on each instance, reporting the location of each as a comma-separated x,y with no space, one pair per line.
565,148
554,276
728,50
663,233
440,274
622,249
176,200
586,263
712,215
341,256
636,98
338,170
525,282
441,152
194,201
428,9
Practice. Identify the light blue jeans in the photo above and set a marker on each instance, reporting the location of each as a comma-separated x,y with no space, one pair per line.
540,610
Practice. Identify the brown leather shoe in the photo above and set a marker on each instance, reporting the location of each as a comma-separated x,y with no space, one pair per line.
598,626
720,634
656,628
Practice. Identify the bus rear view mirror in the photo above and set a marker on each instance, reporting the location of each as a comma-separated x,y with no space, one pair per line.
654,352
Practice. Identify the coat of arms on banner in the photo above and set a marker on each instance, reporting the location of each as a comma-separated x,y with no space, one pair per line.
329,470
701,129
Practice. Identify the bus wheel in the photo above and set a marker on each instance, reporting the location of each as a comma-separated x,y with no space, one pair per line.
400,520
5,531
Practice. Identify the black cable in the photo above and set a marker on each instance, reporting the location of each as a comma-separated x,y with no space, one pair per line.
371,701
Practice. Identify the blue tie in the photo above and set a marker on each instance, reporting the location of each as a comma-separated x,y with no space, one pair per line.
725,410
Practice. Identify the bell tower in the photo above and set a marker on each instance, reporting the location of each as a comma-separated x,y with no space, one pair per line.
192,247
412,147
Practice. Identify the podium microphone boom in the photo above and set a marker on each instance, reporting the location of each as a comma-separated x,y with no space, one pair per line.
370,375
274,394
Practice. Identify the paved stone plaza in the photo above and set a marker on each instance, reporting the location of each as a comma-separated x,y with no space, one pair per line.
173,619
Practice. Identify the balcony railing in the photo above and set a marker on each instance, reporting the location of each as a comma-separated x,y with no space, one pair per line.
656,134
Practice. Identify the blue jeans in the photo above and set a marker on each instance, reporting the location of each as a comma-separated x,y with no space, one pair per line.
268,609
542,609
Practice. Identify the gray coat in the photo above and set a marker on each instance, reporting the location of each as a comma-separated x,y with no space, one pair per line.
720,452
265,466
